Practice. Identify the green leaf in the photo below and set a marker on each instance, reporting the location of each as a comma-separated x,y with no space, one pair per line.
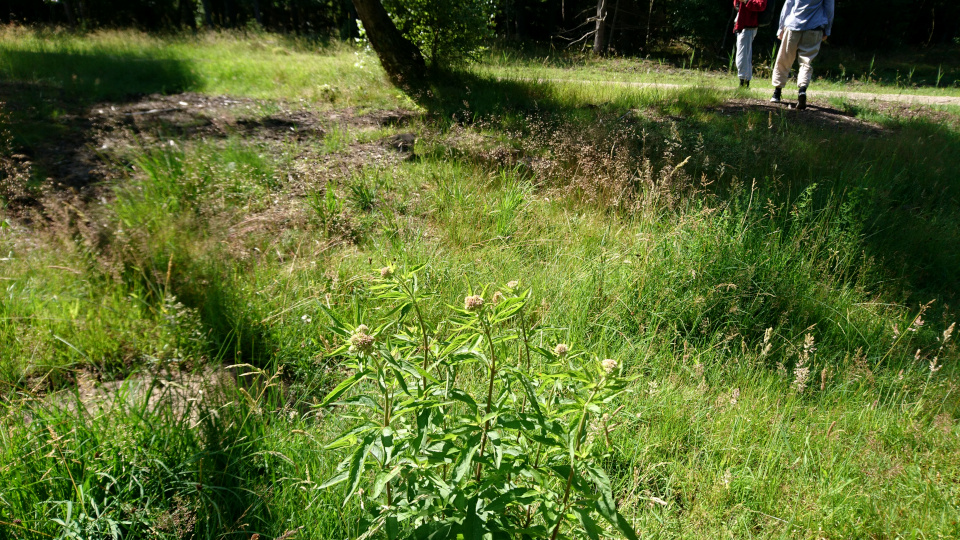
531,395
599,477
343,387
357,463
335,480
351,437
587,522
338,325
401,380
607,508
382,479
473,526
465,464
393,528
518,495
434,530
462,397
424,423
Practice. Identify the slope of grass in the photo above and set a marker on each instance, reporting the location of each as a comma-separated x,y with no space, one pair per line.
764,276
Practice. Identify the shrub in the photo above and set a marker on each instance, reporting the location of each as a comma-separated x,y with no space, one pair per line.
522,461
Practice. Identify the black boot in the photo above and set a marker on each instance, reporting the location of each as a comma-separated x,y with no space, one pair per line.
802,98
776,95
744,83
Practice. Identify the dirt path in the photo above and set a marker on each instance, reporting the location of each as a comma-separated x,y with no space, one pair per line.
907,99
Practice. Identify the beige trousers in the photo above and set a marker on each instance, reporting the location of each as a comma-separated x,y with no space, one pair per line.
802,43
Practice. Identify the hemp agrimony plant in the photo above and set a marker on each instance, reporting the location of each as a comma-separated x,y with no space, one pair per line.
473,432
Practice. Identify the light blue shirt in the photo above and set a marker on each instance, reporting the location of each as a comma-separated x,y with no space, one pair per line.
807,15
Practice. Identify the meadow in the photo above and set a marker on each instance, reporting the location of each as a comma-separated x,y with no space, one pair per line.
194,228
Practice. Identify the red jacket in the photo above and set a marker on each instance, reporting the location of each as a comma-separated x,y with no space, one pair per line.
749,13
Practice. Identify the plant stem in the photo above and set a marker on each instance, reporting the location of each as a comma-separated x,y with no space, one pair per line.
493,374
566,491
423,327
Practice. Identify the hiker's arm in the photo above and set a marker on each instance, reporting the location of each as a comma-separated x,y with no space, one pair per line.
828,6
787,8
755,5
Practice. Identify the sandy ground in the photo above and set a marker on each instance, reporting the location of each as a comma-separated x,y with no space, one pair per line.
909,99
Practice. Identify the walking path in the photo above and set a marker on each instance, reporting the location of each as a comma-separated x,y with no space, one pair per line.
910,99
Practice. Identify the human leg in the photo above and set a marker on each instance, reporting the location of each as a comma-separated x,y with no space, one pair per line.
745,53
786,55
808,47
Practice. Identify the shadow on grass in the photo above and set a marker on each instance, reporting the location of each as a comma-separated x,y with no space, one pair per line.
891,179
47,96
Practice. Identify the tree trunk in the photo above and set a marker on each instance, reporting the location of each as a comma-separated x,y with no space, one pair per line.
400,58
207,12
71,20
646,40
600,36
188,14
256,12
83,11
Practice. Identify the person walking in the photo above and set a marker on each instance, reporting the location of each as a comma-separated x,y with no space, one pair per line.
804,25
745,27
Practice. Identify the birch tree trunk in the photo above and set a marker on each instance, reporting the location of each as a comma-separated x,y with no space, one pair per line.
600,35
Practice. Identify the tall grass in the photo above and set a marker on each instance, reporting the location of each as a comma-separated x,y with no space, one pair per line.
760,278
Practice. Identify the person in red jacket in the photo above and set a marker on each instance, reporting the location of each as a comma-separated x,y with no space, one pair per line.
745,27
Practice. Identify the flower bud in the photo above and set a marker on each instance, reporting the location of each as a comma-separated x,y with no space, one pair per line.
609,365
386,272
473,303
360,341
561,349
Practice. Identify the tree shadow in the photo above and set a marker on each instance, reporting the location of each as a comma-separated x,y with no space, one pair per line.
46,96
892,179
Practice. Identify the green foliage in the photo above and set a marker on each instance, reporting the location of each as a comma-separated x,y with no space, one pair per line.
326,205
434,462
782,380
448,32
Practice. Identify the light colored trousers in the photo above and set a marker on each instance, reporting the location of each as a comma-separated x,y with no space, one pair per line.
745,53
802,43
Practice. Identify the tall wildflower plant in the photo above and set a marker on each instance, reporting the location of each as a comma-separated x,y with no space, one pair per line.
475,432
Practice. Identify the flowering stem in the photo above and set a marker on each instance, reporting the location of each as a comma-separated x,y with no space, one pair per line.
566,491
903,334
493,373
423,327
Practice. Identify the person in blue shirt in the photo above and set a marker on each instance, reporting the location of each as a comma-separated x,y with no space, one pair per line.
804,25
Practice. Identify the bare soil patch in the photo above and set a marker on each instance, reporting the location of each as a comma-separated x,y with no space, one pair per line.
817,114
88,138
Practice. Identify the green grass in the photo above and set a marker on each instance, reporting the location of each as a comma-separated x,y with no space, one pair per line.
653,227
837,70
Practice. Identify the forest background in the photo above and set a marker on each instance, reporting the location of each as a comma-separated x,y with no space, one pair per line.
633,27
